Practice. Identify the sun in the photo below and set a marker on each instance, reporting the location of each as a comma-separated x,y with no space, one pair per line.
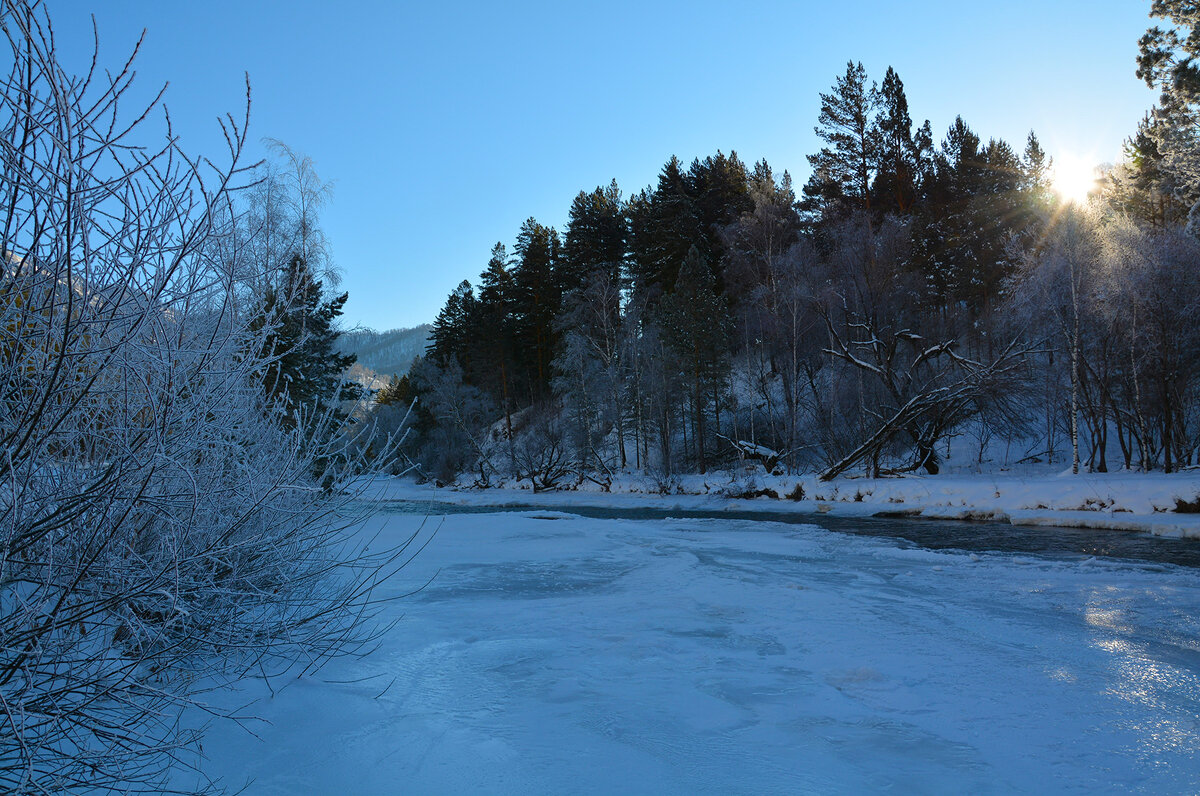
1073,178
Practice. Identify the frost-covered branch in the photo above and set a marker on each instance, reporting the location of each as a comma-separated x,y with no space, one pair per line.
160,530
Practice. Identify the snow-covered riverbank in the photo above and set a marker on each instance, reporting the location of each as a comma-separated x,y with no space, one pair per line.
1139,502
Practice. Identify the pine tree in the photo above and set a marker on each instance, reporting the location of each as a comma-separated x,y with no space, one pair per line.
305,374
1036,167
695,323
926,157
720,189
843,170
1170,61
944,237
897,156
494,333
596,237
664,225
976,203
1141,184
1001,213
449,337
537,297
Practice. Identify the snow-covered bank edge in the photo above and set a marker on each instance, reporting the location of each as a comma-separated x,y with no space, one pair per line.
1136,502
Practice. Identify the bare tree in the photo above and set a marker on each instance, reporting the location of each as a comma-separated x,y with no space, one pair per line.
541,452
1151,276
912,381
160,530
590,370
302,194
462,413
1073,250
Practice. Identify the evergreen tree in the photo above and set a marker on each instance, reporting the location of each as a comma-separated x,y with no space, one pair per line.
397,392
977,202
1169,59
449,337
1037,166
1037,194
493,333
926,157
495,283
898,160
720,189
1142,185
942,234
305,374
664,225
537,297
596,237
843,170
695,324
1001,213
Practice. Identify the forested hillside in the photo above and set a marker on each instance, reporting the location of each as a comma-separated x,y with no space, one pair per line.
916,286
386,353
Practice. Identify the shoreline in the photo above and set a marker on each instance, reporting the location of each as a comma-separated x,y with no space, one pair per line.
1132,502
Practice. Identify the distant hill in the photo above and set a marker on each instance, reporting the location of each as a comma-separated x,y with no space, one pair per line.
386,353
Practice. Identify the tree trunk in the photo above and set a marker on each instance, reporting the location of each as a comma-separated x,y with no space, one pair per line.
1074,379
927,458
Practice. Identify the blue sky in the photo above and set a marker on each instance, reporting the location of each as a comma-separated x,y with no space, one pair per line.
444,125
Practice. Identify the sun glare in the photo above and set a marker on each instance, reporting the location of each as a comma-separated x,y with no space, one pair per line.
1073,178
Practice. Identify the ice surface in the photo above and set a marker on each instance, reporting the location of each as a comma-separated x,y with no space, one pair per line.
558,654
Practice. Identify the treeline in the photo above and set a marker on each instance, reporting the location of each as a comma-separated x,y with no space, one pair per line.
914,289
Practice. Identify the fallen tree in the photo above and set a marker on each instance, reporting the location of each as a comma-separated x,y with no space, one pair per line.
933,410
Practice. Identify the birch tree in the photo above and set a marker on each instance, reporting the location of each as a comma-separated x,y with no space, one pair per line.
1059,281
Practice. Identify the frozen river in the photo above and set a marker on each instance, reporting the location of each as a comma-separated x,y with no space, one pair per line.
555,653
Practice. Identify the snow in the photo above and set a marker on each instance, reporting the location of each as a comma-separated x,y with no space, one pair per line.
754,448
1139,502
553,653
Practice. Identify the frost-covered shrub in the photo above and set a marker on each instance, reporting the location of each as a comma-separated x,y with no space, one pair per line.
161,530
541,452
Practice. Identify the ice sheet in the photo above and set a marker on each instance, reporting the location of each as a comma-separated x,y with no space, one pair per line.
557,654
